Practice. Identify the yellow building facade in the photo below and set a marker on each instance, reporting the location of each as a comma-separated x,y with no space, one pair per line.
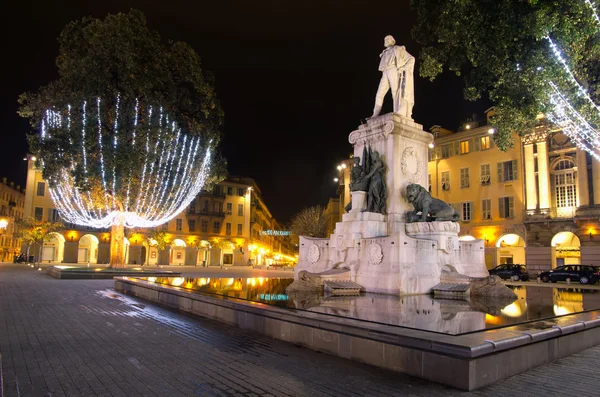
484,185
12,200
533,204
230,225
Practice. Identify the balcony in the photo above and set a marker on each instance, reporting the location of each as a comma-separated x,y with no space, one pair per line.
549,214
205,212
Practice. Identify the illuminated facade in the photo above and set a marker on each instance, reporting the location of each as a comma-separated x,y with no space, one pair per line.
229,225
533,204
11,210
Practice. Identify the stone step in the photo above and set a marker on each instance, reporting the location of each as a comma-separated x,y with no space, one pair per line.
342,287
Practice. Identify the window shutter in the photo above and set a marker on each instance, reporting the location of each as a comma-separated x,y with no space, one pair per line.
515,170
501,207
471,211
457,148
500,172
511,207
476,144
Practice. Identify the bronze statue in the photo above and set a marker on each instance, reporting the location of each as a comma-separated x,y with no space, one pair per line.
358,180
427,208
377,193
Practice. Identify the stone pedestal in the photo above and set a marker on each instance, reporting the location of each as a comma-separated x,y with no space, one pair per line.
359,201
403,147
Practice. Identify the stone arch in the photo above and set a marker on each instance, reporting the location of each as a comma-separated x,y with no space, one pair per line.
87,250
54,248
177,256
510,248
152,252
566,249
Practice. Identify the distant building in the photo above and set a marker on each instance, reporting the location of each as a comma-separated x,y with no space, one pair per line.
230,225
537,203
11,210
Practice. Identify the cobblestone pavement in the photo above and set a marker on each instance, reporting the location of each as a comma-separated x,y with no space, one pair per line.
81,338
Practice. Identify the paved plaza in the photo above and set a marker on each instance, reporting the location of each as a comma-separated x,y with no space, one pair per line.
81,338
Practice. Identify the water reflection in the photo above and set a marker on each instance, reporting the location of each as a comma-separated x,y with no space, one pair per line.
448,316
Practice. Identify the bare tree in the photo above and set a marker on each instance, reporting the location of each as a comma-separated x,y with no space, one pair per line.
311,222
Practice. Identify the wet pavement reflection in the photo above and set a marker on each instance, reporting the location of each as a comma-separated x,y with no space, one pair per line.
448,316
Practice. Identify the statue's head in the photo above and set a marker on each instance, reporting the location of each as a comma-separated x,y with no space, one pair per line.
412,192
389,41
375,155
356,161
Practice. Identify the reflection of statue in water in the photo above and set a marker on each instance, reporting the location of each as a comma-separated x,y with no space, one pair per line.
377,193
397,67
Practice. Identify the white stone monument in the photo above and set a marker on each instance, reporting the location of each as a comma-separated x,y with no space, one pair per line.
381,252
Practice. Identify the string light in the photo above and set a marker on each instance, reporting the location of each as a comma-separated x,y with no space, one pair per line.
175,169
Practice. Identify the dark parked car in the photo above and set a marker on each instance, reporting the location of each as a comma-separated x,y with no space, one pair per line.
511,272
583,274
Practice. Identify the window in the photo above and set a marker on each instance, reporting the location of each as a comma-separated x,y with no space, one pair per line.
565,184
178,224
506,207
484,143
241,192
240,209
229,208
39,213
204,226
192,225
192,206
218,206
205,206
429,182
466,213
217,190
464,177
228,259
446,180
228,229
446,151
485,174
52,215
41,188
165,226
239,229
464,147
486,209
216,227
507,171
229,191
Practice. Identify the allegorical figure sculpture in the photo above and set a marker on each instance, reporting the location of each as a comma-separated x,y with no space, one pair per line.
358,180
427,208
397,67
377,193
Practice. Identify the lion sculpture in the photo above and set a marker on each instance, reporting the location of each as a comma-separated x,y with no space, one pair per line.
427,208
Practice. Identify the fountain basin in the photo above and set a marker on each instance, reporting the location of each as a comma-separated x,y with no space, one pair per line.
461,356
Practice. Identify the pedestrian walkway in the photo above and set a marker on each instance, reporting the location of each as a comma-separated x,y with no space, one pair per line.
81,338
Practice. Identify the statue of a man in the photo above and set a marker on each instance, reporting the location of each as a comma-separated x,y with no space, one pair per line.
397,67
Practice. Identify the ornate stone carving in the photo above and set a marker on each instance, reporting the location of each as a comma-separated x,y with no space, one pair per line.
313,253
375,254
432,227
450,246
411,164
339,242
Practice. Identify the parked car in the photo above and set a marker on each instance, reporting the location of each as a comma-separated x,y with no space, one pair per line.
511,271
582,273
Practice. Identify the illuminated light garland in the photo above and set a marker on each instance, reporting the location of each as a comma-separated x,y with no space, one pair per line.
564,115
574,125
175,170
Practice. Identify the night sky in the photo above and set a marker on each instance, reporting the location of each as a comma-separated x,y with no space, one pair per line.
294,79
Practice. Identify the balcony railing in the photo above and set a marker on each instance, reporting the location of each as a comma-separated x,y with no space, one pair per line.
548,214
203,212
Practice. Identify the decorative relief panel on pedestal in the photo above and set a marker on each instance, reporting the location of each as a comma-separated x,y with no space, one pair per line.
313,253
411,164
450,245
375,255
339,242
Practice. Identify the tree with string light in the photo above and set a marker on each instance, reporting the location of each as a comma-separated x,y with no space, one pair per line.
127,134
529,57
